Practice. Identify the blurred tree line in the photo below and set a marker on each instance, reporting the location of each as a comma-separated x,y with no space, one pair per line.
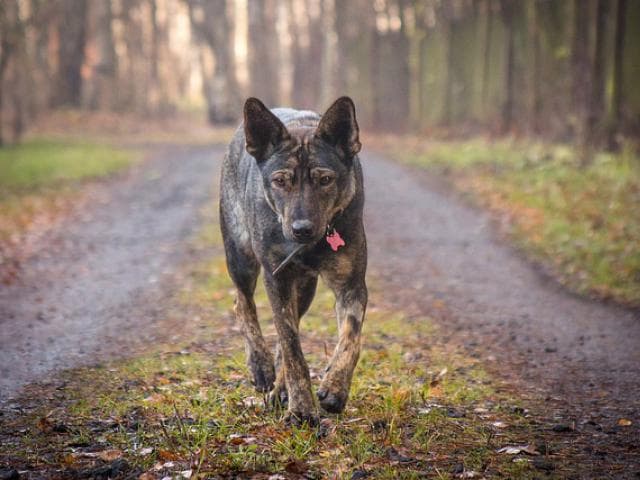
559,69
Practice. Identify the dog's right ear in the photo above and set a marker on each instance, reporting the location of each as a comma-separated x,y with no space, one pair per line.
263,131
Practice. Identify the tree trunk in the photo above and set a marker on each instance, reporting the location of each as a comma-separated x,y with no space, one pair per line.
536,96
262,45
400,45
618,63
341,25
449,79
596,109
155,41
307,53
486,61
71,35
581,78
10,33
105,69
374,71
222,92
507,7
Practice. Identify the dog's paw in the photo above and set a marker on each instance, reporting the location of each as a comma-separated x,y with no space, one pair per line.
332,402
295,419
264,375
278,398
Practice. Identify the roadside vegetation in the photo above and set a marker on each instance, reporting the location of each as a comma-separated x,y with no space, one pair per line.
39,182
580,222
41,163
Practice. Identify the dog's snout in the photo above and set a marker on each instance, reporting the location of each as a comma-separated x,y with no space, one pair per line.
302,229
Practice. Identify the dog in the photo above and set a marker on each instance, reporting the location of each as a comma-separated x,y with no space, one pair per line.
291,203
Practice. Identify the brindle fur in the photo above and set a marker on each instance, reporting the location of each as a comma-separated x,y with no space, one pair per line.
273,175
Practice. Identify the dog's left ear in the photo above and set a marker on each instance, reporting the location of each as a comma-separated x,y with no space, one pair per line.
339,127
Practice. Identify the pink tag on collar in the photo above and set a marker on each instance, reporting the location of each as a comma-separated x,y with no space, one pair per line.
335,240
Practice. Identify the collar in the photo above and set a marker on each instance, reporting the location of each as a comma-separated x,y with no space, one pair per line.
330,230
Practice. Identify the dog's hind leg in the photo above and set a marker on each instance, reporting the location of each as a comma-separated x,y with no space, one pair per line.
351,302
306,290
244,269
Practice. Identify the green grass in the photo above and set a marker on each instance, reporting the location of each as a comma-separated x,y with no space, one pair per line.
40,163
39,182
583,223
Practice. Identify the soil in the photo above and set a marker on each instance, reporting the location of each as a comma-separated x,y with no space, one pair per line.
97,291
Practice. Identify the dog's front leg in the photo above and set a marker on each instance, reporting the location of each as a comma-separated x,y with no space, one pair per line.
283,300
351,302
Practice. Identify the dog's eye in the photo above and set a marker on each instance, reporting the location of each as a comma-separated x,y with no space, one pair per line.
325,180
278,181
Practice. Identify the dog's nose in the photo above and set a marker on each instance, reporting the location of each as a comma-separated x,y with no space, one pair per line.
302,229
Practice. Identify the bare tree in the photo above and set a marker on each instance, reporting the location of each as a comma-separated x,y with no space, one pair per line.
263,56
618,62
71,36
597,107
308,41
581,75
536,67
486,59
211,24
104,75
508,17
11,42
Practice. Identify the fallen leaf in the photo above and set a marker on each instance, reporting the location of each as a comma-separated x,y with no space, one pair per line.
509,450
147,476
239,439
624,422
45,425
167,455
468,474
161,466
296,466
542,463
186,473
353,420
145,451
563,428
438,378
110,455
396,456
499,424
251,401
516,449
155,398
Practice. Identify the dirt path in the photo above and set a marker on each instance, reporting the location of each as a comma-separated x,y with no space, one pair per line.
441,258
97,286
101,282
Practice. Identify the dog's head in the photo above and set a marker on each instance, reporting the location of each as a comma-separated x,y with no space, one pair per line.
307,172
